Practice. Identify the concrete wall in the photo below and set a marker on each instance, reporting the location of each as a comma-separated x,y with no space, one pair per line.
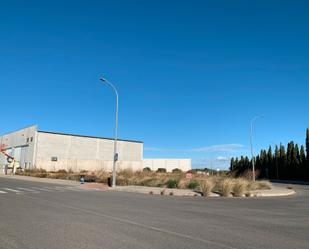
93,165
88,153
36,149
21,145
168,164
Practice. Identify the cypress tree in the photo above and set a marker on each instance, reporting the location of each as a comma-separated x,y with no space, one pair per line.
302,162
289,154
307,145
263,164
292,161
269,167
307,156
282,161
302,155
235,167
276,161
257,162
307,153
232,164
297,167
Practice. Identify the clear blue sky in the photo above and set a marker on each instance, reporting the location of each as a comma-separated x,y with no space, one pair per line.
190,74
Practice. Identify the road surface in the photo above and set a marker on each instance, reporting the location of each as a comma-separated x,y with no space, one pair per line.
42,215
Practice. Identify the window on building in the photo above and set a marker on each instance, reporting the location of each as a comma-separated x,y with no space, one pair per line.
27,139
31,139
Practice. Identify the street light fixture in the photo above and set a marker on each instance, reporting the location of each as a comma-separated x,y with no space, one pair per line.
115,159
251,145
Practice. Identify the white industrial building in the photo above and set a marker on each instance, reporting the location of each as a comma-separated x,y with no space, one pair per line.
53,151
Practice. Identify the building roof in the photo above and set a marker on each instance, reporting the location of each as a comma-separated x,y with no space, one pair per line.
77,135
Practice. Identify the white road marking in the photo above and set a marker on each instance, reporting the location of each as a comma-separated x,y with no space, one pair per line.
12,190
42,189
36,190
29,190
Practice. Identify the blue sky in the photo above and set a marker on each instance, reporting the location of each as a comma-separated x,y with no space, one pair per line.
190,74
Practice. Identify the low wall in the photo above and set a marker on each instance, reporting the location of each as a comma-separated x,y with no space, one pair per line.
94,165
168,164
90,165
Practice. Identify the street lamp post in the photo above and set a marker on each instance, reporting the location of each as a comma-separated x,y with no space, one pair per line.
251,145
115,159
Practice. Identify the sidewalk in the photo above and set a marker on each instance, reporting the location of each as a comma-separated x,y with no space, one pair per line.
36,179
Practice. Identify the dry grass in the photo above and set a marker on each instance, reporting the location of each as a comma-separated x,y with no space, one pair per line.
239,187
226,186
206,186
259,185
127,173
223,185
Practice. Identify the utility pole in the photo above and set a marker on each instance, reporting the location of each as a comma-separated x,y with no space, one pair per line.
115,157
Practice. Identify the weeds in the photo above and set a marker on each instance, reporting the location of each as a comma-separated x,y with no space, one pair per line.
171,183
193,184
259,185
239,187
226,187
206,186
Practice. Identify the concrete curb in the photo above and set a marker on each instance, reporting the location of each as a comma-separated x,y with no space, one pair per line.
155,190
274,192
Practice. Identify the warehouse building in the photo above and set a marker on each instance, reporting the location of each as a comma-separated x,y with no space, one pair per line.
52,151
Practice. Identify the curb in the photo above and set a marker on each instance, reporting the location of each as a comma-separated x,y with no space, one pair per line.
263,194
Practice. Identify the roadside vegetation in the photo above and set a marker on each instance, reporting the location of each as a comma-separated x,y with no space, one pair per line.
224,185
286,163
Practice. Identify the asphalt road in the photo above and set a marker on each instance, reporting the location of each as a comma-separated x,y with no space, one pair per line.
42,215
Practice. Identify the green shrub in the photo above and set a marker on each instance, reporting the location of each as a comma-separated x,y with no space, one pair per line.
172,183
148,182
147,169
161,170
176,170
192,185
62,171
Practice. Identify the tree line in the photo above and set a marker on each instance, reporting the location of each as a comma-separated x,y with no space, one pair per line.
290,162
